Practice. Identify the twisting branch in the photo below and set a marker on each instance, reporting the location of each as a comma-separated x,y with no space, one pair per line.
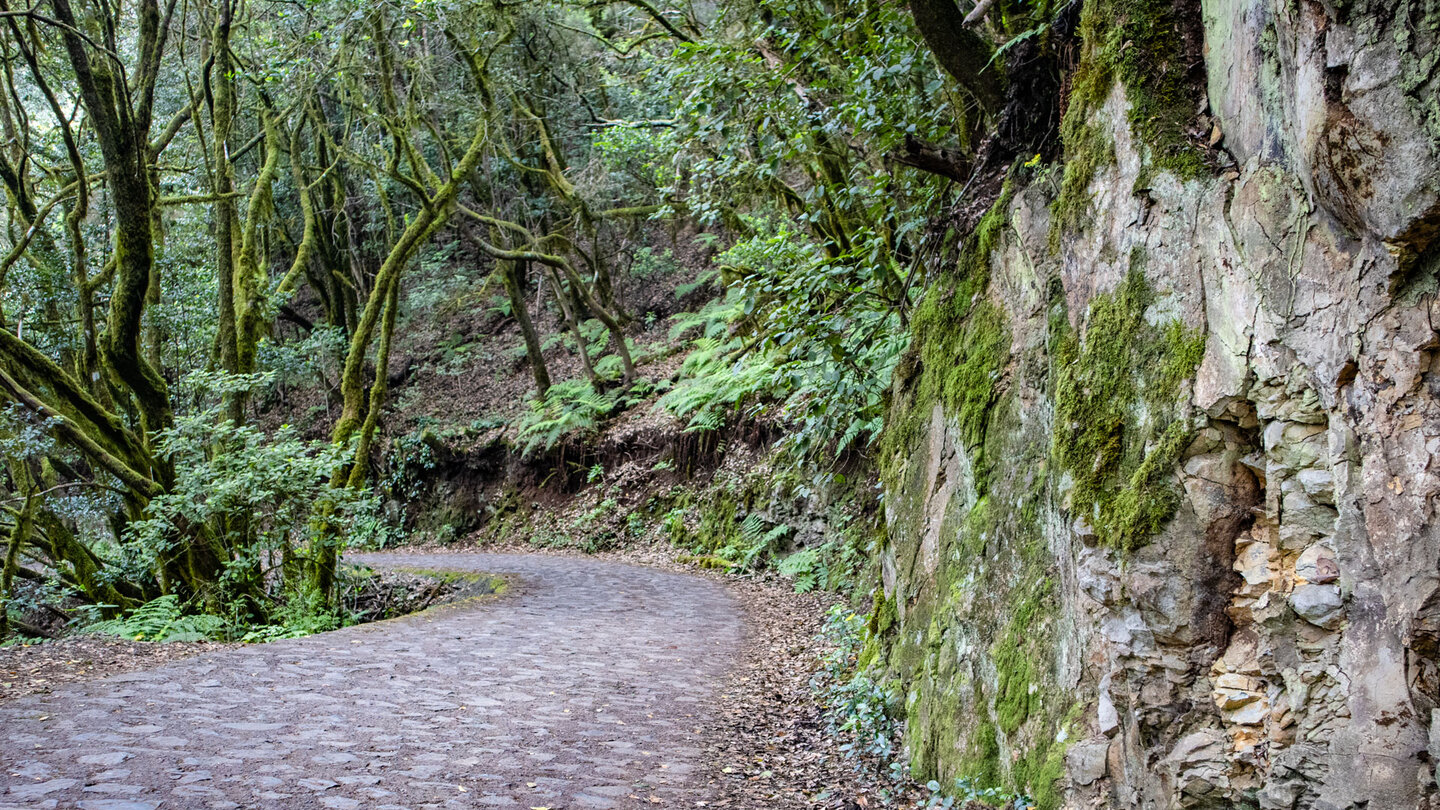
651,11
78,438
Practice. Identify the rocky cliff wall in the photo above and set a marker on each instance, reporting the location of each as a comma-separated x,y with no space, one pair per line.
1161,472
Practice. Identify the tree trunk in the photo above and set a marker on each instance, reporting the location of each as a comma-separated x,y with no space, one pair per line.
963,53
534,350
222,79
19,535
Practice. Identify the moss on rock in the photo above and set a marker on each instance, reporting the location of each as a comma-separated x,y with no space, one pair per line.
1016,690
1117,431
1145,46
977,644
960,346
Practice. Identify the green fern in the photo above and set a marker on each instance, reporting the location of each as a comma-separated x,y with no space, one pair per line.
609,367
752,529
570,409
756,539
162,619
712,320
685,322
596,336
805,568
714,385
701,280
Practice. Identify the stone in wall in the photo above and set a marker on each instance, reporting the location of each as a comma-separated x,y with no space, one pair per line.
1276,642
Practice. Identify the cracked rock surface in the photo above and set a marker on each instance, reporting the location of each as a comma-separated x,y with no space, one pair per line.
1109,587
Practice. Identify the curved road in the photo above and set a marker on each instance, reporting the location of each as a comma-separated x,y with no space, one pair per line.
586,690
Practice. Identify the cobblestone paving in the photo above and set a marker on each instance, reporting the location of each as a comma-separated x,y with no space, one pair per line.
583,691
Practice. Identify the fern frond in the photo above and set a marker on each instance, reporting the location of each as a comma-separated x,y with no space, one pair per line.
162,619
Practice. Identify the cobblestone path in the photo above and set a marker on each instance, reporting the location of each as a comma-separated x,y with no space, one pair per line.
583,691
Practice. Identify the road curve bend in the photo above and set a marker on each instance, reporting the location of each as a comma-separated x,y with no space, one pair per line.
584,690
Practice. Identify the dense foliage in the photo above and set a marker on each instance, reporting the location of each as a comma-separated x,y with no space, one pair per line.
216,211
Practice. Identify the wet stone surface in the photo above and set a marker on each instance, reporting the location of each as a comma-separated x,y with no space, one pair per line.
585,690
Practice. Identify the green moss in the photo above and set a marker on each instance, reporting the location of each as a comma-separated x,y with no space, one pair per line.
706,561
719,526
448,576
717,515
869,655
883,615
1012,698
1037,773
1116,394
934,729
997,576
977,647
975,264
1016,692
1139,44
1088,149
979,527
969,368
1029,708
981,761
959,343
963,346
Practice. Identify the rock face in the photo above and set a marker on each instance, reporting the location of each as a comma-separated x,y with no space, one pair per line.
1161,478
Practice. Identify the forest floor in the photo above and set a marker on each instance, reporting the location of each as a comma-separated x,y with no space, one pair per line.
26,669
595,684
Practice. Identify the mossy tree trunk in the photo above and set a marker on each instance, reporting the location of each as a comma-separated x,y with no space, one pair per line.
119,113
222,125
512,276
360,409
19,535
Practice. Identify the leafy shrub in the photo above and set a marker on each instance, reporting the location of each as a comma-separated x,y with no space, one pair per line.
407,461
648,264
280,482
964,791
854,705
717,378
635,525
304,613
713,321
610,367
266,495
764,343
317,358
714,384
596,336
673,524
